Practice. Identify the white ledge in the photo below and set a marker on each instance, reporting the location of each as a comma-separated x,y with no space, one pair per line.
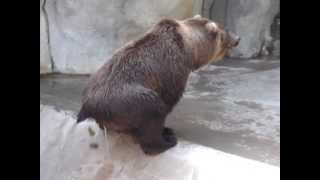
65,153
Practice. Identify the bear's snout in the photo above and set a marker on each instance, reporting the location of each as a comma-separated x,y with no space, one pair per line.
237,41
234,39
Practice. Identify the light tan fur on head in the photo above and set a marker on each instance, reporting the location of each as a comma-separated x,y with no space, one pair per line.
219,50
207,40
204,38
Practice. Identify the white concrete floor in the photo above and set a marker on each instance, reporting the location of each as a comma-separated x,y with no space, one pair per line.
230,108
66,153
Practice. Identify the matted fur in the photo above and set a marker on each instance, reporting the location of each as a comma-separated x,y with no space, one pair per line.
142,82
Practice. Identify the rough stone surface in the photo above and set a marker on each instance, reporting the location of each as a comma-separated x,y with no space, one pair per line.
233,106
66,154
83,34
45,62
275,33
276,48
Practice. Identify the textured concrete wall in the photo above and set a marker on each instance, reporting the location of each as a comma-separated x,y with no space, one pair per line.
45,62
83,34
78,36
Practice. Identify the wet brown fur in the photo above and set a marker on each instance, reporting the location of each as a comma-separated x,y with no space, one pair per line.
144,80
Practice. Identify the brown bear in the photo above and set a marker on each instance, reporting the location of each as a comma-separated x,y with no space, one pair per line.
142,82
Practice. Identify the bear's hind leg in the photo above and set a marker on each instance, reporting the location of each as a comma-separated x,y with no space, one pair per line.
169,135
154,138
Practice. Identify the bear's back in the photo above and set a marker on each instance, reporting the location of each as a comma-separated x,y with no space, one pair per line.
157,62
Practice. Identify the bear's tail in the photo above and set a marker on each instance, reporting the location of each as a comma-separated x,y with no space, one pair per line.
81,115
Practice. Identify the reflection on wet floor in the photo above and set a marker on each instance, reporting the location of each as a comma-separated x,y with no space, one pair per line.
233,106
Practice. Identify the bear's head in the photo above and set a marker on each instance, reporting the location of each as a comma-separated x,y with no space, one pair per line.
209,40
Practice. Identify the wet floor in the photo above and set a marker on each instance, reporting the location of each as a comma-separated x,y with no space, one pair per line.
233,106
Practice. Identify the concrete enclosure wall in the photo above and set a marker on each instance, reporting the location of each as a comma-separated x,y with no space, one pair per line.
78,36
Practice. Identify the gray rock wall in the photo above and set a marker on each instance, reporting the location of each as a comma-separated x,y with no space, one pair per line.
83,34
78,36
45,62
274,45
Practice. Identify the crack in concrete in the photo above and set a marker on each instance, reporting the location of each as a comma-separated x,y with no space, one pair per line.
45,14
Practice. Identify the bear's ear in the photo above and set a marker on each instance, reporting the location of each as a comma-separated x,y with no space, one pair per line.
197,16
212,26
